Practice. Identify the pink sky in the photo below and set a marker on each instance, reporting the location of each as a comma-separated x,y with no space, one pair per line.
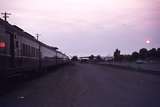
84,27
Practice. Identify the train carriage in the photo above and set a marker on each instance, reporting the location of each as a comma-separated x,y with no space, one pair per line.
18,52
48,55
21,53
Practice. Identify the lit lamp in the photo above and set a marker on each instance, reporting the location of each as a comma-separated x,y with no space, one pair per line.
148,41
2,44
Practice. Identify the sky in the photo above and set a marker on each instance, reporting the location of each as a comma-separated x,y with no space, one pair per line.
85,27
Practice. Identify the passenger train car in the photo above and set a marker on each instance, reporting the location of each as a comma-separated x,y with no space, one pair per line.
21,53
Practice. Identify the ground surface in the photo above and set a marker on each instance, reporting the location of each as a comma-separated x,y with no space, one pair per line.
86,85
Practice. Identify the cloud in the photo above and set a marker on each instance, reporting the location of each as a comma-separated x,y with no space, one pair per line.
92,26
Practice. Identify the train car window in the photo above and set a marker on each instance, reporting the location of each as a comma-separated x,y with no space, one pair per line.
33,52
28,50
17,44
25,50
32,55
37,52
21,49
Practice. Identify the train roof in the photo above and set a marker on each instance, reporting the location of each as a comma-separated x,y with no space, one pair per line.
61,53
15,29
47,46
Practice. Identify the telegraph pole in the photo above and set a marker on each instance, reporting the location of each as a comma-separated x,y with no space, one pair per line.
5,15
39,51
37,36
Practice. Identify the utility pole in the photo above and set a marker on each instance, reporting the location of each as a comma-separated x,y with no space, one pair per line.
37,36
5,15
39,51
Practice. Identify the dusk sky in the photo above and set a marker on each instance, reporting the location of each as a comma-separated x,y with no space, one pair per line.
85,27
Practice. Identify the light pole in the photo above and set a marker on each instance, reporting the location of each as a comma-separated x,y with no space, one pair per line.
39,51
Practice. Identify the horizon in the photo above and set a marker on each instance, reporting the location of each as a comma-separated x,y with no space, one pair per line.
89,27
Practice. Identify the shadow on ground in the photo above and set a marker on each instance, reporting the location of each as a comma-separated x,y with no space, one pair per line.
9,85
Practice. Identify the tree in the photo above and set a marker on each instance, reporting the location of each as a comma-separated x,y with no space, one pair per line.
117,55
143,53
152,53
74,58
158,53
98,58
134,56
91,57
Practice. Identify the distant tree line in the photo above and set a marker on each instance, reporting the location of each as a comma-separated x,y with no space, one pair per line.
90,58
143,54
95,58
74,58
